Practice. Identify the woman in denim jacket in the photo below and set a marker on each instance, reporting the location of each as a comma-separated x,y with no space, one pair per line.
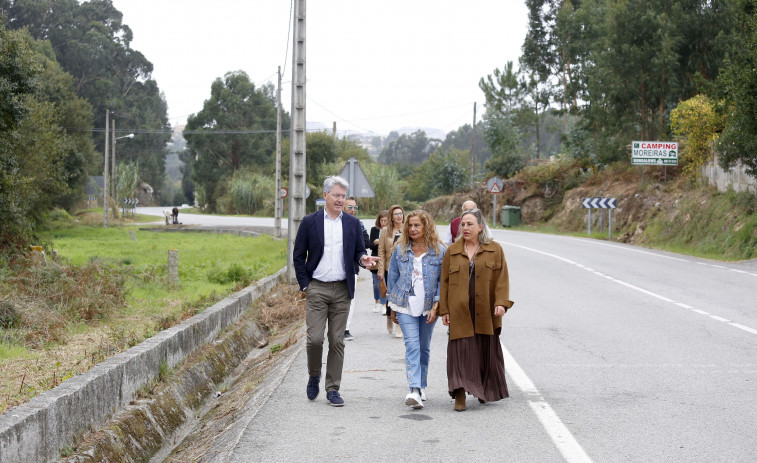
413,287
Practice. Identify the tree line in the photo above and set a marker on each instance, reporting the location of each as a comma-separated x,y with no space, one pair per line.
62,65
621,70
593,76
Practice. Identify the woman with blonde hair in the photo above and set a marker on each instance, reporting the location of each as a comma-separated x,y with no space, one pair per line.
474,295
413,288
388,238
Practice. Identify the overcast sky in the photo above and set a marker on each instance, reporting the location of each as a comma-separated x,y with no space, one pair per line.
371,66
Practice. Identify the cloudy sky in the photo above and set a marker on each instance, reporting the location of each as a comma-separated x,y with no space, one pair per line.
371,66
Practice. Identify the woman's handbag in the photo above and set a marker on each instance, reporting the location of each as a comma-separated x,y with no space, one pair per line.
382,287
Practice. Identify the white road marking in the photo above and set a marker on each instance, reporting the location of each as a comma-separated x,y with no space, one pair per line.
663,256
570,449
745,328
636,288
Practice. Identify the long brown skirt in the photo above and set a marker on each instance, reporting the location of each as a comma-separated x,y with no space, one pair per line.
476,364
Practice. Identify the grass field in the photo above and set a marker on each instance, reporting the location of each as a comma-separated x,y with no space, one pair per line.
107,292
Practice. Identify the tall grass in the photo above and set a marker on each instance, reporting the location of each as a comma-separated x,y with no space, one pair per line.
106,292
717,226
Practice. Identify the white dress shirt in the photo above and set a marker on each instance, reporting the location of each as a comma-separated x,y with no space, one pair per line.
331,266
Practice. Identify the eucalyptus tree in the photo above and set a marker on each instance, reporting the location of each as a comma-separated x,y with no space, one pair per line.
410,149
33,147
91,42
624,64
738,88
236,128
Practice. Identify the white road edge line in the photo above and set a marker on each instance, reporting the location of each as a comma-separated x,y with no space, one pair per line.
650,293
745,328
570,449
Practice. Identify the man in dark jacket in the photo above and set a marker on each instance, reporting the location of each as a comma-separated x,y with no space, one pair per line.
326,249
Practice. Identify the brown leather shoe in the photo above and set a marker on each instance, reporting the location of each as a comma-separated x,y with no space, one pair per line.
460,400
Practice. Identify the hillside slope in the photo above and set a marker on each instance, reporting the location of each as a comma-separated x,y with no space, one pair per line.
676,215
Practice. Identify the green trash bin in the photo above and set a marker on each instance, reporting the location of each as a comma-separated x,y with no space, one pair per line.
510,216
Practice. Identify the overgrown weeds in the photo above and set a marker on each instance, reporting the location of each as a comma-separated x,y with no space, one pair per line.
47,298
58,319
281,307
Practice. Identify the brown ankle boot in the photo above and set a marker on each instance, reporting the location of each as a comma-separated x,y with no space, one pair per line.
459,400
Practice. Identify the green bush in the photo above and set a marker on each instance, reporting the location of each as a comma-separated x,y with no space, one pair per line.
9,317
248,192
234,273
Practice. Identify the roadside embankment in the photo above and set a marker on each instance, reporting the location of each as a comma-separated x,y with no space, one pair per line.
51,422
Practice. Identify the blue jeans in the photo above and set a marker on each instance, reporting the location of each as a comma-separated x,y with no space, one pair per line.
417,335
376,290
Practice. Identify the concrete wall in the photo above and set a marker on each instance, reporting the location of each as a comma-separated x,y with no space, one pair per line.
735,178
38,430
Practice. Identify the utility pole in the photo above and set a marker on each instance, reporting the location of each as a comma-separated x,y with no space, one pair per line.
278,202
105,170
297,138
473,148
113,184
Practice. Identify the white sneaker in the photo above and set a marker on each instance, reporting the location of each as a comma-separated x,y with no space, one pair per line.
414,400
423,395
376,307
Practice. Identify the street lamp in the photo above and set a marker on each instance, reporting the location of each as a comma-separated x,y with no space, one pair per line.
113,177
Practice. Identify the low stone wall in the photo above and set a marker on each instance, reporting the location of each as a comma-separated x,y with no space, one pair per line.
735,178
38,430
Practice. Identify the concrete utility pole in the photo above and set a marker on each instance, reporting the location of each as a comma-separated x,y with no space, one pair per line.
473,148
105,170
297,139
278,201
113,182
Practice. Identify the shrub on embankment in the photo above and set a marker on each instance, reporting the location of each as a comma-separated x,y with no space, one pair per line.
664,211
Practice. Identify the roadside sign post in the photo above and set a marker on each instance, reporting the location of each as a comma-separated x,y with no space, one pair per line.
600,203
654,153
495,185
360,187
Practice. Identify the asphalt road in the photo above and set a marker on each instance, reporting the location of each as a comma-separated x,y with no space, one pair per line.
613,353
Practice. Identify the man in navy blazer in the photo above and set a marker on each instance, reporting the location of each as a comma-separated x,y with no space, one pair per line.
328,245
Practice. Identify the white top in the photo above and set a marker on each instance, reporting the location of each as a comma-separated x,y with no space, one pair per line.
416,299
331,266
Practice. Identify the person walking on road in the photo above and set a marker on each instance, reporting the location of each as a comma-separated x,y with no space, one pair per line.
351,206
388,239
454,226
413,288
474,295
381,220
327,246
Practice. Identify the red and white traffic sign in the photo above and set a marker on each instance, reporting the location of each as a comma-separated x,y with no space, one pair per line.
283,192
494,185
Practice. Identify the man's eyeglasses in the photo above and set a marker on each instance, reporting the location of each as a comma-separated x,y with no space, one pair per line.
352,208
338,196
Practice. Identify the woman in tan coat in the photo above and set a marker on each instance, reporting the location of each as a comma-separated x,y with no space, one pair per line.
387,240
474,296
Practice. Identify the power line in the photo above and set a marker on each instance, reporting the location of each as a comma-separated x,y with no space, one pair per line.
289,34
